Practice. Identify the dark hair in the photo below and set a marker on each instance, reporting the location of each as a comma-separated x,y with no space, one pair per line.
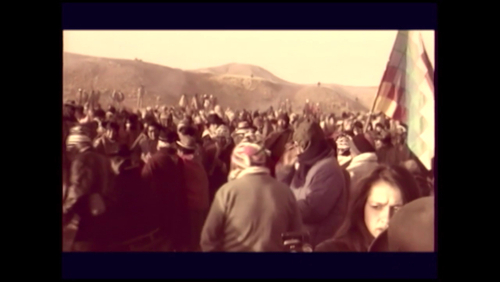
112,109
353,231
358,125
113,126
186,151
188,130
385,138
155,125
133,118
333,144
99,113
79,109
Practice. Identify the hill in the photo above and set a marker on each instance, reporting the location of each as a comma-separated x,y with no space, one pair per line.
232,84
246,70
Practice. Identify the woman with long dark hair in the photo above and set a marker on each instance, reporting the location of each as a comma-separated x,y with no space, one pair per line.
375,199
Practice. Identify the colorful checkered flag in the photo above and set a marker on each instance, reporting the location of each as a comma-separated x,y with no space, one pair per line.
406,93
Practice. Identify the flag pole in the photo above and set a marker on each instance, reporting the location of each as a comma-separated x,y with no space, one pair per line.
375,100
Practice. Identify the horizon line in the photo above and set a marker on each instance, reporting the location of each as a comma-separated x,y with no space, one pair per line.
204,68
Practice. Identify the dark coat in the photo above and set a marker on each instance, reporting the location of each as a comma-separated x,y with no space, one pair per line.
217,170
166,178
323,198
90,174
276,144
133,213
333,246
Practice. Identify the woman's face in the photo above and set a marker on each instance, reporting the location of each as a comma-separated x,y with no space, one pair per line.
383,201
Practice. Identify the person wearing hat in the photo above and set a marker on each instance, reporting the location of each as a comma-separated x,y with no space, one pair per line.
90,177
218,158
364,157
411,229
197,187
213,122
165,174
132,217
243,128
276,142
376,198
317,182
251,203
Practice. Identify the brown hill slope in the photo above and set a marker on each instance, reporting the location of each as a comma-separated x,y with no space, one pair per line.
231,84
246,70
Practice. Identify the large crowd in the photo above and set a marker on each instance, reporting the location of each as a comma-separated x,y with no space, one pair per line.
197,178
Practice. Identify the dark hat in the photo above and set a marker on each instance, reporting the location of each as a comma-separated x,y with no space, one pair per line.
111,109
186,142
364,143
411,229
358,124
168,136
123,151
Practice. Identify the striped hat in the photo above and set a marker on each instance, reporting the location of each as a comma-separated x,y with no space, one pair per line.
78,139
248,154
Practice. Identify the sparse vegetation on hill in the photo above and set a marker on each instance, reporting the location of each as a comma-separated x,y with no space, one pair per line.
235,85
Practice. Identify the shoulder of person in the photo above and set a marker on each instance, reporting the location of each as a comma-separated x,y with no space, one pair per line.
330,246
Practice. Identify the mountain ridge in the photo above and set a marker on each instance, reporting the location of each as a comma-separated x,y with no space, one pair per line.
236,85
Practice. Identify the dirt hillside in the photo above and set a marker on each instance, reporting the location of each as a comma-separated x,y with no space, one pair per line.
235,85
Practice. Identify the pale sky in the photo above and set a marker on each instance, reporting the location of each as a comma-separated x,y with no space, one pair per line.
353,58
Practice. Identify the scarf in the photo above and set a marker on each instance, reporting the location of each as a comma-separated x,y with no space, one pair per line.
240,172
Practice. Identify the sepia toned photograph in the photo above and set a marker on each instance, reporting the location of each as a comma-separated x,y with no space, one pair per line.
250,141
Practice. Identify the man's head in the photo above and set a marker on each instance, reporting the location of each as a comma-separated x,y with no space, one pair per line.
246,155
223,135
167,141
112,130
361,144
153,130
283,121
357,128
213,122
379,127
132,123
186,145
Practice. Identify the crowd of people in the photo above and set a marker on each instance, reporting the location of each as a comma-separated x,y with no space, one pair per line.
184,179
